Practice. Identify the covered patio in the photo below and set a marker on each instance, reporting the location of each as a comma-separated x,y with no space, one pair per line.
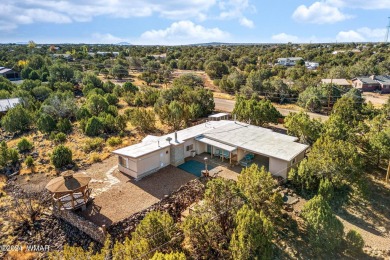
219,150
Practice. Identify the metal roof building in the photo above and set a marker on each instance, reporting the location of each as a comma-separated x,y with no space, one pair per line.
6,104
229,140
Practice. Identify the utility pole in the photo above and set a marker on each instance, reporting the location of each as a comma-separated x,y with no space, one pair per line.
387,32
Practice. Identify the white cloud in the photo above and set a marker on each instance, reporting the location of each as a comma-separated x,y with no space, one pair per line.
362,34
319,13
246,22
372,34
235,9
17,12
184,32
284,38
106,38
361,4
349,36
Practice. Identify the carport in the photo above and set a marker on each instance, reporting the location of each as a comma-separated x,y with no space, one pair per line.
216,148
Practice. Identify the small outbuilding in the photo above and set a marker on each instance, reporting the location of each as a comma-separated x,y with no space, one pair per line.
9,74
219,116
70,190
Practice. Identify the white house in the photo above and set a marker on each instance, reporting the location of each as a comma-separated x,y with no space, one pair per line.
8,103
229,139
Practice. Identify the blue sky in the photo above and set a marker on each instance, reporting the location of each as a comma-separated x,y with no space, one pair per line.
193,21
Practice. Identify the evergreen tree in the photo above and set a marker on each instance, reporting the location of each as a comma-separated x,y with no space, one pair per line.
252,237
300,125
324,229
17,119
258,186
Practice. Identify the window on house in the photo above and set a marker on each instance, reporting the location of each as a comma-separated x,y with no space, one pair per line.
189,147
293,161
122,161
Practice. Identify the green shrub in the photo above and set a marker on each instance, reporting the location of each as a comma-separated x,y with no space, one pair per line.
114,141
13,155
29,161
82,113
111,99
109,124
93,127
93,144
113,110
355,242
60,138
24,145
16,119
129,87
46,123
64,125
95,157
61,156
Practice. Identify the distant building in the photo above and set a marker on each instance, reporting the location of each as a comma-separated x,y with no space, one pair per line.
65,56
159,56
104,53
384,81
365,84
340,82
8,103
291,61
311,65
9,74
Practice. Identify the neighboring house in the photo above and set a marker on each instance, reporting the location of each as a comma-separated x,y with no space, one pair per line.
384,82
6,104
341,82
311,65
219,116
229,139
104,53
159,56
9,73
365,84
65,56
289,61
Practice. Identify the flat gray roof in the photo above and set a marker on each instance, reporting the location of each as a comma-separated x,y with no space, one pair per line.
367,80
216,143
219,115
8,103
153,143
341,82
230,133
5,70
258,140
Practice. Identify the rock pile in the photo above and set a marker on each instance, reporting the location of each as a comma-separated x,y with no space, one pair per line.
173,204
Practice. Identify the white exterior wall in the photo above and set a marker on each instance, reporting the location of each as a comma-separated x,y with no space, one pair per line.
278,167
200,147
187,143
240,154
149,163
295,162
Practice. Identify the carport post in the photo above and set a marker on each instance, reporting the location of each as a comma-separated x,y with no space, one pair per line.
205,164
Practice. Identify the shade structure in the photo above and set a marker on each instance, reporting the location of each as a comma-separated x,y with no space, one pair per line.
68,182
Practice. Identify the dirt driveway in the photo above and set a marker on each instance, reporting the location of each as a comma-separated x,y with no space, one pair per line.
118,196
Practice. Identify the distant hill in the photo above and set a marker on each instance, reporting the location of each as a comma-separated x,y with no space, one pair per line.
123,43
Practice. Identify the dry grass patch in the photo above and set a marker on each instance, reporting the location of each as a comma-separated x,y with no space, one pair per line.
223,96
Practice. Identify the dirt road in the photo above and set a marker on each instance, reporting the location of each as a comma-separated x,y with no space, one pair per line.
228,105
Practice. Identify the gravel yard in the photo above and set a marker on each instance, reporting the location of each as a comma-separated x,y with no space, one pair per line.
118,196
